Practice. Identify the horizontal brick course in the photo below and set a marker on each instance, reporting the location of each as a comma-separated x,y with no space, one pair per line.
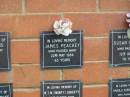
25,19
29,51
26,26
98,24
96,51
27,93
10,6
96,73
95,92
28,75
25,52
61,5
120,5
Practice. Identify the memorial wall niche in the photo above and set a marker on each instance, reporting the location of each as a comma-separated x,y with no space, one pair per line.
61,88
58,51
119,48
119,88
6,90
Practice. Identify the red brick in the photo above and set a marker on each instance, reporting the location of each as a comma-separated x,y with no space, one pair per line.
95,92
26,76
96,73
91,73
96,49
28,93
32,25
72,74
27,26
119,72
98,24
10,6
6,23
50,75
115,5
4,77
61,5
29,51
25,52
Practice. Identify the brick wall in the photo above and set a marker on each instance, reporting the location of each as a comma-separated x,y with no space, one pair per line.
26,18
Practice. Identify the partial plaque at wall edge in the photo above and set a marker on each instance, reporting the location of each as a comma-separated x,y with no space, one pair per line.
119,48
5,63
6,90
119,87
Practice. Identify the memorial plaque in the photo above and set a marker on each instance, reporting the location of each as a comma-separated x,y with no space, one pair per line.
58,51
119,48
5,63
119,88
65,88
6,90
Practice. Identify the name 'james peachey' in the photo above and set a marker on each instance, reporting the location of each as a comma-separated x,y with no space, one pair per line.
68,45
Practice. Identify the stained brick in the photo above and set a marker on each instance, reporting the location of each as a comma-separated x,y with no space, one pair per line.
73,74
26,76
51,75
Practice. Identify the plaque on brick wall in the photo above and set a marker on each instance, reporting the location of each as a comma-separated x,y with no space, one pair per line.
6,90
61,88
5,63
119,48
58,51
119,88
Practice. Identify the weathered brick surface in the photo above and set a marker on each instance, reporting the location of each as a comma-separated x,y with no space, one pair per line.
98,24
10,6
61,5
28,26
113,5
27,93
95,92
25,19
